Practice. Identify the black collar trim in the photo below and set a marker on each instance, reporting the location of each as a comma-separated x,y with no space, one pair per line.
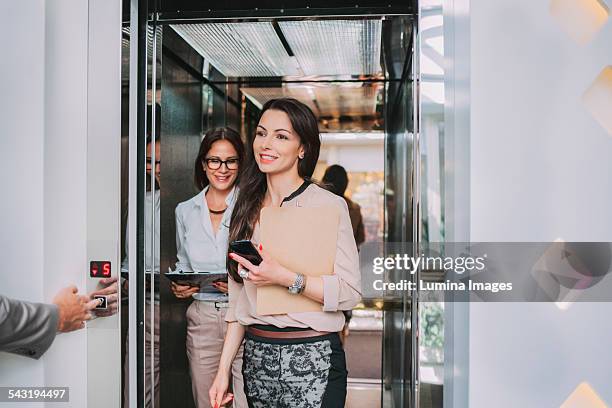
297,192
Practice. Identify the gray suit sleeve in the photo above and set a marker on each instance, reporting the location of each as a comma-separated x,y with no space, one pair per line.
27,329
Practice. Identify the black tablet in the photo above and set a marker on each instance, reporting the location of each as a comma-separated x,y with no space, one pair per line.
200,279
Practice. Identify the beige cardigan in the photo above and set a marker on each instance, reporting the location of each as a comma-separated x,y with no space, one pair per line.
341,291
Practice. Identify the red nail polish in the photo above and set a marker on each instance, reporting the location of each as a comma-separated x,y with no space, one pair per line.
260,247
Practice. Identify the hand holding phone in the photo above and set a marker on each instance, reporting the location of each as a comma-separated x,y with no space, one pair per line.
247,250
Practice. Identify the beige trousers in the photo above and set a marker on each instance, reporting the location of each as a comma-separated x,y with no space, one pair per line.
206,328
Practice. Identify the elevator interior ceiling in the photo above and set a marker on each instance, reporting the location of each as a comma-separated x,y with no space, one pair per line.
306,57
341,106
288,48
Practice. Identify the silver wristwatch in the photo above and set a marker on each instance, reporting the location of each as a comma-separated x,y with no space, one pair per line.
298,286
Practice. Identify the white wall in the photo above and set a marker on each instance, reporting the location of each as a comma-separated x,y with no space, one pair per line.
65,181
456,33
540,168
52,101
550,158
21,167
103,191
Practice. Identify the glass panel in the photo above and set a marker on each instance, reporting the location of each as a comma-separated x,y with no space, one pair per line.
152,206
147,214
431,311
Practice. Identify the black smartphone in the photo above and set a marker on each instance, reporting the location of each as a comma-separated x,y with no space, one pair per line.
247,250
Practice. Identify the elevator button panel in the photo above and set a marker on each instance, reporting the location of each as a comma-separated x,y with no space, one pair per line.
100,269
102,302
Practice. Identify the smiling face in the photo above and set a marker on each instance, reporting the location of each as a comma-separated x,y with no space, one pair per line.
222,178
276,146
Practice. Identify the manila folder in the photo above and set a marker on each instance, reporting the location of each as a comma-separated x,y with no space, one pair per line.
304,240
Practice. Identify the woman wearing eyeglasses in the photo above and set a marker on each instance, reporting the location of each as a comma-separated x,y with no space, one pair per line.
202,231
292,360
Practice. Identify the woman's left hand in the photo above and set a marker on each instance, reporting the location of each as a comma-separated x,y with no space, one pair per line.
268,272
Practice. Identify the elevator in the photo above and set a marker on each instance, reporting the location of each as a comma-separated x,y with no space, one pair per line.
188,68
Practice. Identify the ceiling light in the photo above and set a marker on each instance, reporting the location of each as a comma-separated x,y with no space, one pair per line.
335,47
240,49
332,101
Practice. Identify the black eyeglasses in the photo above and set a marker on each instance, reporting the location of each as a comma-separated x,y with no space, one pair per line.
215,164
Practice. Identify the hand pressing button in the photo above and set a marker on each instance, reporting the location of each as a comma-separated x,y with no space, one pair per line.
103,302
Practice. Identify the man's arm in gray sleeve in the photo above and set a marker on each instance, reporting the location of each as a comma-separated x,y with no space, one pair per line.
27,329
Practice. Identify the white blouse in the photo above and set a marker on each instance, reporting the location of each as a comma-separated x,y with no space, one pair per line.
199,249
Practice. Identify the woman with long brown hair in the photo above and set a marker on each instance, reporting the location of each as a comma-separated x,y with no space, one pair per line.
202,230
294,359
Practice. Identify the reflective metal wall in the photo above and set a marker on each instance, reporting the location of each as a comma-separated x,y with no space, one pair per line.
399,132
181,132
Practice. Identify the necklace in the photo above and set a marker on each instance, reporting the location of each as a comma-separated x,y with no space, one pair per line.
217,211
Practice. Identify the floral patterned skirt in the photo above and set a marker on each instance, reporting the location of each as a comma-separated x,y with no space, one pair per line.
294,373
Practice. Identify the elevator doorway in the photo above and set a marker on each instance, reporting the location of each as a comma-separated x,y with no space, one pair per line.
216,68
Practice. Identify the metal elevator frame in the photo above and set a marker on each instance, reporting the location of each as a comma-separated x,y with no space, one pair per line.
144,13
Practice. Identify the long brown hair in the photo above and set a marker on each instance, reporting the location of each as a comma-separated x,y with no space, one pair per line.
253,184
209,139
